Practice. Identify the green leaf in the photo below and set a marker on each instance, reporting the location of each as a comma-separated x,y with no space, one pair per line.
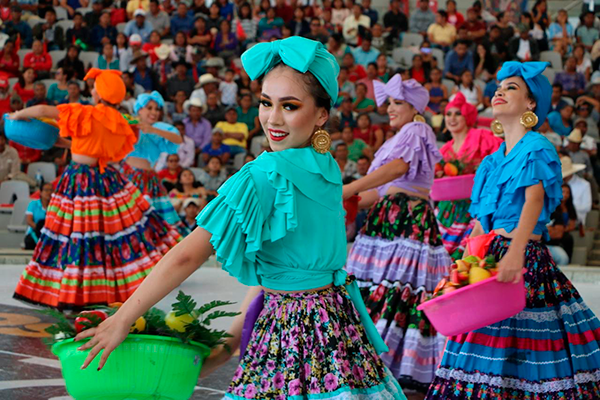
219,314
184,305
213,304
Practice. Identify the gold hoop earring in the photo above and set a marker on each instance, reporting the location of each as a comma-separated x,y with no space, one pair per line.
529,119
497,128
321,141
419,118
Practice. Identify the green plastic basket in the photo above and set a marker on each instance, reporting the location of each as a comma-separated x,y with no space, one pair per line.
142,367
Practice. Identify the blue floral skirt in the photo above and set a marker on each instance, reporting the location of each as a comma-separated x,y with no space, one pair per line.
311,345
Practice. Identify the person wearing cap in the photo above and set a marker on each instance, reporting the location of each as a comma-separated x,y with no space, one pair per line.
17,26
134,5
516,191
588,144
268,226
523,47
102,33
126,55
206,85
578,156
139,25
182,21
180,81
396,189
585,110
581,189
82,251
198,128
470,146
191,208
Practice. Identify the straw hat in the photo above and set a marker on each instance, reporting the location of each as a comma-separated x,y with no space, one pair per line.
568,168
137,55
193,102
575,136
162,51
206,78
189,201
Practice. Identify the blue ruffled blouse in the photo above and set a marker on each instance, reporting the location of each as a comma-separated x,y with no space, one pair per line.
149,146
499,191
279,223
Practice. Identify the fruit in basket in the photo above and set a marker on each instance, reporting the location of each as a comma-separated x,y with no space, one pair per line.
439,168
450,169
89,319
138,326
478,274
178,323
462,266
116,304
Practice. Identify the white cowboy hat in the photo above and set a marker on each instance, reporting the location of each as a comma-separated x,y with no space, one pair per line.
193,102
206,78
163,51
568,168
575,136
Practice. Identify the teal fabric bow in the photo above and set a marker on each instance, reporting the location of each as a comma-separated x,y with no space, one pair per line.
298,53
540,87
145,98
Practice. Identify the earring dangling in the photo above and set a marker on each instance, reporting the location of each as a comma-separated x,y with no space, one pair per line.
497,128
419,118
321,141
529,119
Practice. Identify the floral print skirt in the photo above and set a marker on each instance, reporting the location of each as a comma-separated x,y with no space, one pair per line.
398,259
455,225
549,351
311,345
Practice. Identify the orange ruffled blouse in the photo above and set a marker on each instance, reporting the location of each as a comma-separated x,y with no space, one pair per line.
96,131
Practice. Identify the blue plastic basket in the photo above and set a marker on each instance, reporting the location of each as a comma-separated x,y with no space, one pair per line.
33,133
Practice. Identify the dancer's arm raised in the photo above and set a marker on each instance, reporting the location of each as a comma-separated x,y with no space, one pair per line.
40,111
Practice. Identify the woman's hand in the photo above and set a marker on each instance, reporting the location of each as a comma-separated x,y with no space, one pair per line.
106,336
18,116
510,267
144,127
217,358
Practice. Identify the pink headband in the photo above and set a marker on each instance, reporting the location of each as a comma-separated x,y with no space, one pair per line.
466,109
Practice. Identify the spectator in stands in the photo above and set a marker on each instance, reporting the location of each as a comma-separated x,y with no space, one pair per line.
180,81
213,176
368,81
441,34
421,18
191,208
365,54
469,89
371,134
457,61
39,60
299,25
581,190
123,52
355,25
588,143
475,27
586,33
214,17
200,35
561,120
151,45
269,23
369,12
58,90
50,33
24,86
139,25
583,64
35,216
362,166
159,19
197,128
316,31
284,11
437,90
506,29
348,167
248,114
383,69
495,44
454,17
206,84
394,21
133,5
39,96
561,34
361,103
573,82
584,112
339,13
553,137
235,134
355,71
346,115
523,47
142,75
17,26
226,43
187,187
180,49
175,109
10,164
182,21
9,60
102,33
346,88
4,95
485,64
563,220
168,175
418,71
336,47
578,156
216,148
539,12
74,94
72,62
356,147
556,101
92,18
215,111
79,32
107,59
247,24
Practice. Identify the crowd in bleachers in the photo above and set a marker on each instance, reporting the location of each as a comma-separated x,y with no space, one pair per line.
189,52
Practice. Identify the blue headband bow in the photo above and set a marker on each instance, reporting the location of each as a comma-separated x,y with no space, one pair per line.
298,53
144,98
538,84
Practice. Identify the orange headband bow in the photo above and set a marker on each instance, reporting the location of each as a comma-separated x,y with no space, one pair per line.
109,85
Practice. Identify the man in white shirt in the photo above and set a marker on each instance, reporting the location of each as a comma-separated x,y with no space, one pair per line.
588,144
353,24
581,190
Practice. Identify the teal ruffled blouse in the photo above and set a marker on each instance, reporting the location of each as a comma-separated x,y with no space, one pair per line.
498,194
150,146
279,223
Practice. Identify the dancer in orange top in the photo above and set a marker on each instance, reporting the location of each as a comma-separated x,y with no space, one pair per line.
101,237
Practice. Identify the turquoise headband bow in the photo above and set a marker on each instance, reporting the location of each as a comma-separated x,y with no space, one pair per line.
144,98
298,53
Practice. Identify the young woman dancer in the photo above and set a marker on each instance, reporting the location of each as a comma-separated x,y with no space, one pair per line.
469,146
279,223
101,237
550,350
398,257
155,138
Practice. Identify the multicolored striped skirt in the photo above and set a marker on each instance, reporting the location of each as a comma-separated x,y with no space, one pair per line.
149,184
311,345
549,351
398,259
455,225
100,240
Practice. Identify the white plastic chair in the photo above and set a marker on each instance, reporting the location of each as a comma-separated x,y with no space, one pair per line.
197,173
32,22
550,73
89,58
411,39
439,56
8,189
480,84
553,58
48,170
449,83
56,55
21,53
61,13
12,81
65,24
403,57
17,220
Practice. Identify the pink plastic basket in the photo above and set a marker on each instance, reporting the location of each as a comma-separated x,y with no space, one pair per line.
452,188
475,306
